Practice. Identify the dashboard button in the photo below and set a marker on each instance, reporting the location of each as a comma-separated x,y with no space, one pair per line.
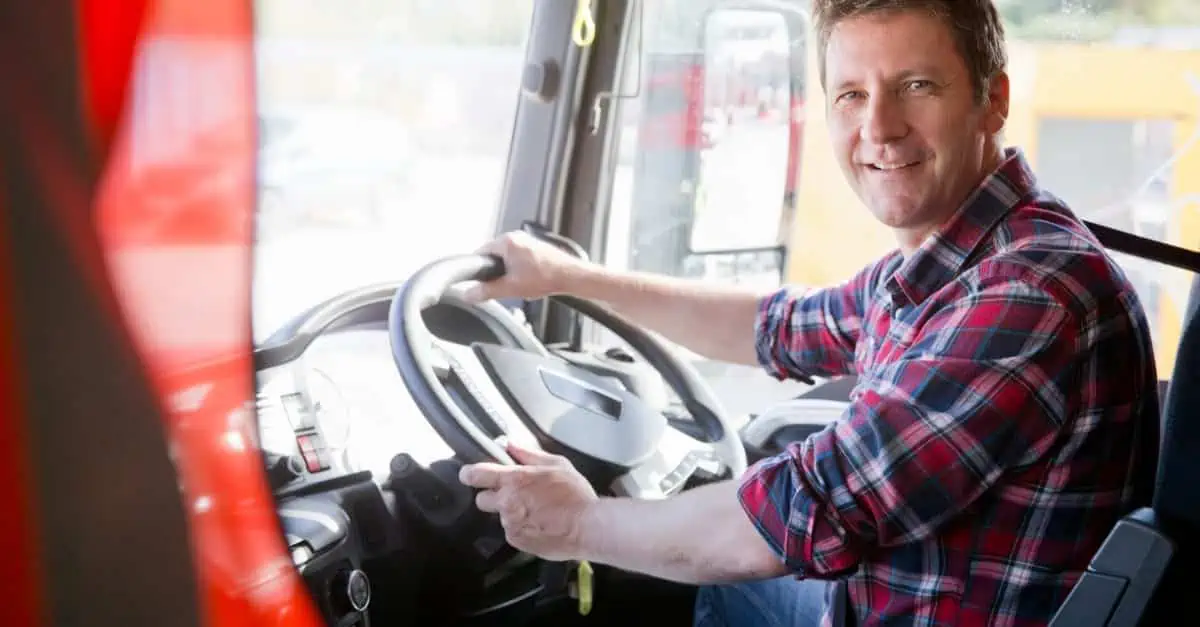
351,591
314,452
312,462
301,554
283,469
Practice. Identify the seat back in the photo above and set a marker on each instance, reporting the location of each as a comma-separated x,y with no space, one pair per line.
1177,490
1137,577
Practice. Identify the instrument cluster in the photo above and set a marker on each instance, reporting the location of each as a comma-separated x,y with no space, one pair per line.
342,408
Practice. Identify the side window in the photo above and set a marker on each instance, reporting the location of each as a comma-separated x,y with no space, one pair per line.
1123,181
384,135
725,169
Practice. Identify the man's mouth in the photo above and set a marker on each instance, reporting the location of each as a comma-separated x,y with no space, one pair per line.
889,167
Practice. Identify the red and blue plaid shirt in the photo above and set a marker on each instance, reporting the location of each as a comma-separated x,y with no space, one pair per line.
1005,384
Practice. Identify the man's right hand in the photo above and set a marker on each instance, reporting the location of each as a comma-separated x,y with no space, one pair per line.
533,269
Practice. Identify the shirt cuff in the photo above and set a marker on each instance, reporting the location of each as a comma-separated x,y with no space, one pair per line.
766,332
768,494
794,521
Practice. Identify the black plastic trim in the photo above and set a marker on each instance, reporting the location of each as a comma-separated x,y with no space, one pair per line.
1120,582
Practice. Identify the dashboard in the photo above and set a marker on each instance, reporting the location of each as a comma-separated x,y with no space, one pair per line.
340,407
367,490
364,484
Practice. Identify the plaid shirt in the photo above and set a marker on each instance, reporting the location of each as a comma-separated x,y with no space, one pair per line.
1005,381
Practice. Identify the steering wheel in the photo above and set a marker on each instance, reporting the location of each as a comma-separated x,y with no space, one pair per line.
531,395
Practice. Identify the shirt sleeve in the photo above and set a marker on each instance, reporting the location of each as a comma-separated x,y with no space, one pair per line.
980,389
802,331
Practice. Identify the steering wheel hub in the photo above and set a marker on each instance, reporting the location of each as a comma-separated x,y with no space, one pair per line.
573,407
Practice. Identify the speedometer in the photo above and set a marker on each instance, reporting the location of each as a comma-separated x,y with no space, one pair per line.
332,413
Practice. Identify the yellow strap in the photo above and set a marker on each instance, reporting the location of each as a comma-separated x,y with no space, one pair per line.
583,33
585,588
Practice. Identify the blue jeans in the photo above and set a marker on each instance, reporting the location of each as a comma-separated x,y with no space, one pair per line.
782,602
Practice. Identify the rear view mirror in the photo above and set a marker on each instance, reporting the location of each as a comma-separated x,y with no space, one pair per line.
715,142
742,205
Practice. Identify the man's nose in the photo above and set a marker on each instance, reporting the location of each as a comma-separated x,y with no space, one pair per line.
883,119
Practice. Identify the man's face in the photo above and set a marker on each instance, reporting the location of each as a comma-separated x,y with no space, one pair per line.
907,127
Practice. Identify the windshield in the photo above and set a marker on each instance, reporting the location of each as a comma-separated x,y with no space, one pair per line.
386,128
384,133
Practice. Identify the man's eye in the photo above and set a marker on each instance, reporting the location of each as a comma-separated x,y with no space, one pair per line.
920,85
849,96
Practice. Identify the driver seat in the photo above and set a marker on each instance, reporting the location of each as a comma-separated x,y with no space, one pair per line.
1137,576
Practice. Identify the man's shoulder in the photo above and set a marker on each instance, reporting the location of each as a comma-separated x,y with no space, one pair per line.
1043,245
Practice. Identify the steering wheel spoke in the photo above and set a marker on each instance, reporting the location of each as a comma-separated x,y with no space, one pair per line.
440,357
678,457
706,455
479,396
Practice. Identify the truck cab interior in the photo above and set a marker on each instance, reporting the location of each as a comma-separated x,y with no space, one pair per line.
239,378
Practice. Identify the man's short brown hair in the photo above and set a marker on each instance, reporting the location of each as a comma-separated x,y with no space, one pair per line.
975,25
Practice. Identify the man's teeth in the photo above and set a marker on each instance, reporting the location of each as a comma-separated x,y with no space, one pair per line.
891,166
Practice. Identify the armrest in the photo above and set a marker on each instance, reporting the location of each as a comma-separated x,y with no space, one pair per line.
793,419
1116,589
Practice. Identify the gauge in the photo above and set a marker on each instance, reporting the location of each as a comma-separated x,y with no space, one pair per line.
274,430
278,413
331,412
300,412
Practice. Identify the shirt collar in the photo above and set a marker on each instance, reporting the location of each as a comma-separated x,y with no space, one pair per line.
943,254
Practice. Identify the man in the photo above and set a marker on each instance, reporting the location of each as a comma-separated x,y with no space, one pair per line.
1005,367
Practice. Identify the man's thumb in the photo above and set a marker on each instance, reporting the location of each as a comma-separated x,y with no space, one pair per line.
476,293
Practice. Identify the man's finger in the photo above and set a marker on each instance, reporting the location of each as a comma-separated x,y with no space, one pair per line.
488,501
484,475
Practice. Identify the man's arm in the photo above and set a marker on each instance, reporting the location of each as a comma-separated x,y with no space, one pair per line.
777,329
789,330
715,321
700,536
980,390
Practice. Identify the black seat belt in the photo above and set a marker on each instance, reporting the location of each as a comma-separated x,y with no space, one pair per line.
1145,248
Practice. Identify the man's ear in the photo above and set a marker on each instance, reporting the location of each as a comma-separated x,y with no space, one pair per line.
997,104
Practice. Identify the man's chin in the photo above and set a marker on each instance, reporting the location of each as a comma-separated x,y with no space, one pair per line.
908,220
897,215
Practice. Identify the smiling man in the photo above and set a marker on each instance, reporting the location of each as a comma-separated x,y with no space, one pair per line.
1006,381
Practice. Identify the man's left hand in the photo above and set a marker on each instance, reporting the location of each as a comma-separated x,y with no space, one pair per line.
542,502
